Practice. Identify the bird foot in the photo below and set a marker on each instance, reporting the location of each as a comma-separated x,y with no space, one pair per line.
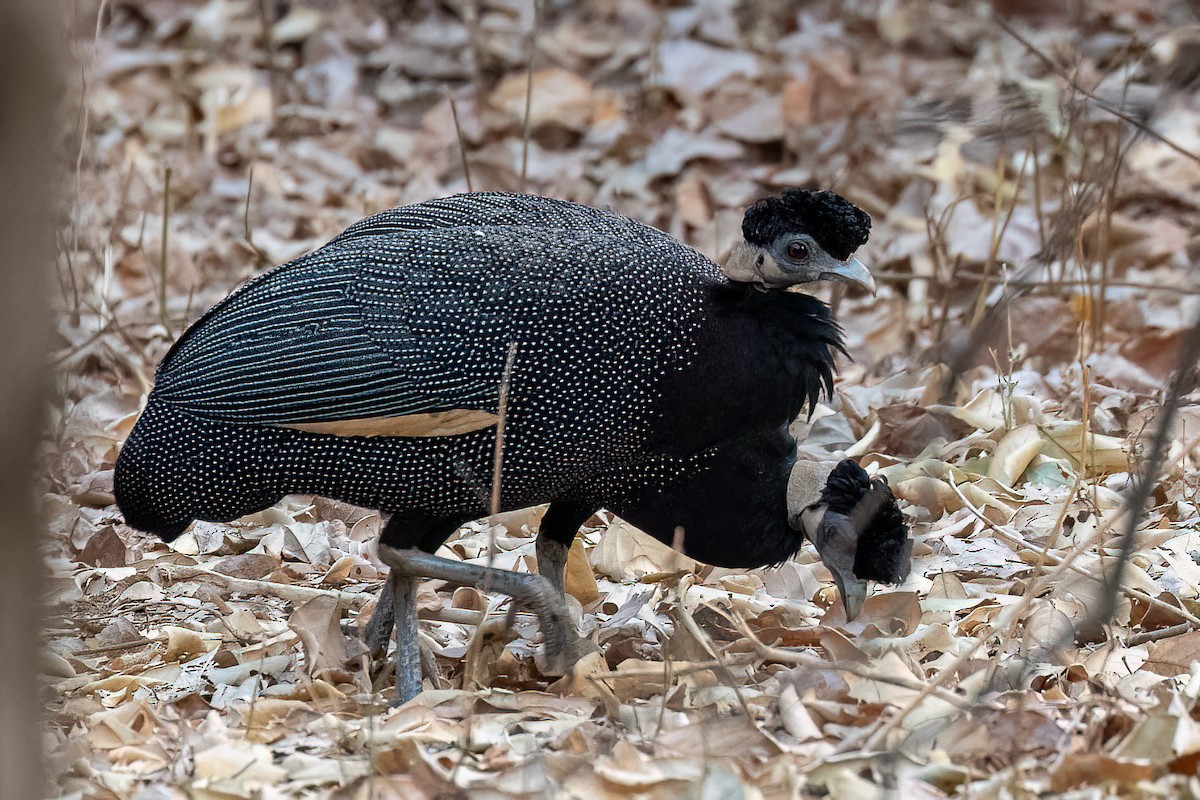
557,662
532,592
559,639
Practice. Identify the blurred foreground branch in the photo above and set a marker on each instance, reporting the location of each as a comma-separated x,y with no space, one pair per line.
29,95
1182,383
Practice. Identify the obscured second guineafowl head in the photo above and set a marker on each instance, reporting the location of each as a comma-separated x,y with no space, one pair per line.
801,237
859,533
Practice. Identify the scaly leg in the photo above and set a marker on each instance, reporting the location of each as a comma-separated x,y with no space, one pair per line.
397,598
552,563
555,536
408,644
533,592
379,630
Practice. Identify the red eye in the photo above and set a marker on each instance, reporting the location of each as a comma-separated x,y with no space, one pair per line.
797,251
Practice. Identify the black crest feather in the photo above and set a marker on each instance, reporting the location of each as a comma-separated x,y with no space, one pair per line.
884,551
839,226
845,487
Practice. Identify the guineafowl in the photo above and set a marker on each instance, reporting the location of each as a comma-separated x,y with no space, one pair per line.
638,375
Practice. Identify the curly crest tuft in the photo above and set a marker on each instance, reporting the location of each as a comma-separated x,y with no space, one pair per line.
839,226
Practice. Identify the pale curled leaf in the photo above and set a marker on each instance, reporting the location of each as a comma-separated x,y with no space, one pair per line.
1013,454
626,553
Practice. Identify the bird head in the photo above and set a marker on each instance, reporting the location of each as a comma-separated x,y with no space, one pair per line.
801,237
859,533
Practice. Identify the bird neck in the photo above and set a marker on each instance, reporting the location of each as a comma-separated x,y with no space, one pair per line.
794,339
761,358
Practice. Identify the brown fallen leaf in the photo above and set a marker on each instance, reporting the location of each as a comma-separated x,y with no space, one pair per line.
105,548
580,579
247,565
560,97
1095,769
626,553
1174,656
886,613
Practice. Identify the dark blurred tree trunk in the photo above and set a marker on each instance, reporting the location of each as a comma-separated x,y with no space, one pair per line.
28,95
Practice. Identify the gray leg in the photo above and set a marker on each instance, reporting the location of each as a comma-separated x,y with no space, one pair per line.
552,563
555,536
533,592
408,646
397,599
379,629
430,667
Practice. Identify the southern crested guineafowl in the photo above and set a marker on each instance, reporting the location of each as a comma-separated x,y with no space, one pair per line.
640,377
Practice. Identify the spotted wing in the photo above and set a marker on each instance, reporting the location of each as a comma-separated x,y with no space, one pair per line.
407,314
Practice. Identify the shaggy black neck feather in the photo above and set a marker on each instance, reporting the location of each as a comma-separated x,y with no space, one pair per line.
767,356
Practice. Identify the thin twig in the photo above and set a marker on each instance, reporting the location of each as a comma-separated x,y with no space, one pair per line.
119,646
73,350
1146,637
533,30
999,229
162,262
462,146
653,670
247,231
126,182
258,687
501,420
69,264
85,115
498,456
1038,205
721,669
268,45
668,674
294,594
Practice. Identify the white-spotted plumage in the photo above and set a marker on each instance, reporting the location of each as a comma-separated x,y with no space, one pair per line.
413,311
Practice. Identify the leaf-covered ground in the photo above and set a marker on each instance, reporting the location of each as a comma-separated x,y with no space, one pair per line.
1005,163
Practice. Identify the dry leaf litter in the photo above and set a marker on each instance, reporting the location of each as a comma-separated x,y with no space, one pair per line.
208,140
